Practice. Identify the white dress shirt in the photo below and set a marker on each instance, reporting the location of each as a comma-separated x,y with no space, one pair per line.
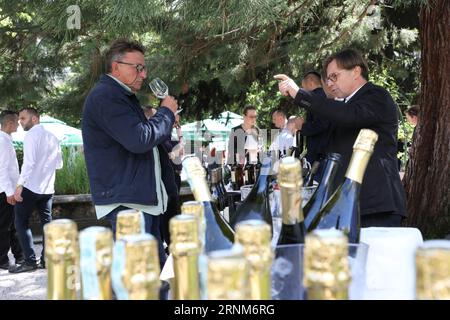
283,141
9,168
41,157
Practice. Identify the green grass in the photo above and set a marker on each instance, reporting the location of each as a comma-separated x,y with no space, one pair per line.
72,178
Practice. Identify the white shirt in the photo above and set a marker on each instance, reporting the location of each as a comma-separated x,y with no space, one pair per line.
354,92
9,168
41,157
283,141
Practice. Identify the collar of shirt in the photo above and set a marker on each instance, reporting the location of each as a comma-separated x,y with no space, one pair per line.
350,96
123,85
5,135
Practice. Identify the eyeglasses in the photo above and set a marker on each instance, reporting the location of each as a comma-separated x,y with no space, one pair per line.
139,67
334,76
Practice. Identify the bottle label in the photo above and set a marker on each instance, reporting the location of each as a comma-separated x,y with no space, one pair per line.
118,269
88,263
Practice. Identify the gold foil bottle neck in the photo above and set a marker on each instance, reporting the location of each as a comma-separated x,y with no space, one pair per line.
194,208
62,259
184,235
141,274
326,268
433,270
185,248
193,167
290,173
366,140
255,237
61,237
362,151
128,222
196,177
228,275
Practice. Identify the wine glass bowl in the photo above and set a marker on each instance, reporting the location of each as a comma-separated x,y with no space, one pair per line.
159,88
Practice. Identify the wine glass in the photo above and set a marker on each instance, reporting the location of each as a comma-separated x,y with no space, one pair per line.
159,88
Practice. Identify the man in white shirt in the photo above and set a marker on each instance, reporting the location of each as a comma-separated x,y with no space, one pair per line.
285,138
36,185
9,174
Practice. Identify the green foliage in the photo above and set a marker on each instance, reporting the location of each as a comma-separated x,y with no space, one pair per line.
72,178
221,48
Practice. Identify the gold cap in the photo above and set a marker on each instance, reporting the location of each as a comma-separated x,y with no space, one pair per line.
184,235
255,237
433,270
141,274
366,140
62,259
128,222
194,208
61,239
326,262
193,167
228,273
290,173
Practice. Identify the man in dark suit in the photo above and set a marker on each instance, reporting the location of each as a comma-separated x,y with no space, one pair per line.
315,128
365,105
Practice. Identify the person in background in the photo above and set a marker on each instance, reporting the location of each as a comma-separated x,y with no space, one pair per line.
284,140
36,185
315,128
127,164
243,136
412,115
364,105
9,175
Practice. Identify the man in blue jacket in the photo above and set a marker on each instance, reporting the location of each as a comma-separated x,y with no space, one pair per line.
128,168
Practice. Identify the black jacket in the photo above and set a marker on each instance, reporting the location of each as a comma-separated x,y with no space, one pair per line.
317,132
372,107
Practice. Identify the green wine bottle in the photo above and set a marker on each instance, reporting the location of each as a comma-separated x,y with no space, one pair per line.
342,210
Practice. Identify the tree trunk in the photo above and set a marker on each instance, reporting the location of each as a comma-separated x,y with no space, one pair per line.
427,179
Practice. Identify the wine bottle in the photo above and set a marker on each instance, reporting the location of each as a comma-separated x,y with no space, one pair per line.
185,248
62,259
342,210
326,266
323,192
256,205
255,238
290,182
96,246
228,275
129,222
216,190
249,171
135,268
309,180
237,180
219,235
